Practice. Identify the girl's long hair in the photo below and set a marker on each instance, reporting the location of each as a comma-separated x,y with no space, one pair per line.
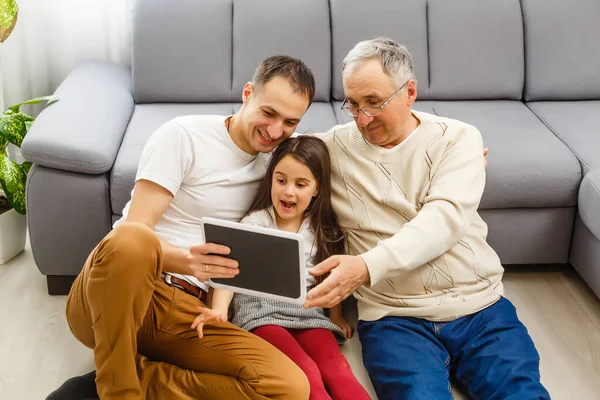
313,153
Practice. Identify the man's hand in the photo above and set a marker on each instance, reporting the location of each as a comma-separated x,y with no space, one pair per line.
204,262
206,317
485,153
347,274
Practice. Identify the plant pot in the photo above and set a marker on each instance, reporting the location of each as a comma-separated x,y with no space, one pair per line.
13,231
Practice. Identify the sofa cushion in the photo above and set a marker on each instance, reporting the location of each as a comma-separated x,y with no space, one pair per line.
264,28
182,53
576,124
589,201
145,120
528,165
478,57
403,21
319,117
562,52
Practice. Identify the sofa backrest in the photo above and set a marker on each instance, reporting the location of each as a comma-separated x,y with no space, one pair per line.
205,51
475,49
182,51
404,21
300,29
562,49
462,49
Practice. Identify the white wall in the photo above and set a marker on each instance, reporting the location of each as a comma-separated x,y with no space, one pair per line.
52,36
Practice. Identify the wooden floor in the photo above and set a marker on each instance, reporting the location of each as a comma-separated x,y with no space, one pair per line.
37,351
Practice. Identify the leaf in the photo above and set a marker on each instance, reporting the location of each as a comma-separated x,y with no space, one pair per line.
8,18
3,144
37,100
13,178
26,167
8,10
14,126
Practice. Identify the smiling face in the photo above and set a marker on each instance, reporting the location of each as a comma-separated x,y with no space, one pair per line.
269,115
292,188
368,86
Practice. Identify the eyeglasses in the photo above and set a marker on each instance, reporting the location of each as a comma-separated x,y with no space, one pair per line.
372,111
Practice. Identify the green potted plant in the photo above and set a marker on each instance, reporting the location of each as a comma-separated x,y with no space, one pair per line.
14,125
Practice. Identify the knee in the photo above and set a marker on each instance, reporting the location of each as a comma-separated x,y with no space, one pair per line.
287,382
298,385
130,245
136,230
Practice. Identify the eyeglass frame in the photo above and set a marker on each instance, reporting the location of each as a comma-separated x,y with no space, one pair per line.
346,108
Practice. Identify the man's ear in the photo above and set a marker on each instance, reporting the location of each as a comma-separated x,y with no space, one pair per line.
412,92
248,89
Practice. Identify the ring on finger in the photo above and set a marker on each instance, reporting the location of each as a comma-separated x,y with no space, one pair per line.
206,267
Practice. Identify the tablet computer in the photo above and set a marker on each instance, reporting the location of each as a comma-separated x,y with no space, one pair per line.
271,261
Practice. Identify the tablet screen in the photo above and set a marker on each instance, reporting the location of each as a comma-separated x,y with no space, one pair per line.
268,264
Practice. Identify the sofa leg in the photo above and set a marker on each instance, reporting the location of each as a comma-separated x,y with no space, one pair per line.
59,284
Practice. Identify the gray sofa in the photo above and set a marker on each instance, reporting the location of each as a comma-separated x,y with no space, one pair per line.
525,73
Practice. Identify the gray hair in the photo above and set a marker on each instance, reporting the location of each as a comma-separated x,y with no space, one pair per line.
395,59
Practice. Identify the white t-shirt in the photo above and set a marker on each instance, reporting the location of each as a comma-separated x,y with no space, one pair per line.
195,159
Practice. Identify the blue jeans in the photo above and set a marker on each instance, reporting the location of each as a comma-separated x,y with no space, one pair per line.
489,354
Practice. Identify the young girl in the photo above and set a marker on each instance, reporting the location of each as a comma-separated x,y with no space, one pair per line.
295,196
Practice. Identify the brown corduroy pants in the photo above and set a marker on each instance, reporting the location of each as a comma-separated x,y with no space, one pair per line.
140,330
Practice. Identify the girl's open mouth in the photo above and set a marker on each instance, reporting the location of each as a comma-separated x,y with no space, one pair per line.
288,206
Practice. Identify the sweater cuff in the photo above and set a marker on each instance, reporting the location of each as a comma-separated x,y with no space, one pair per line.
375,260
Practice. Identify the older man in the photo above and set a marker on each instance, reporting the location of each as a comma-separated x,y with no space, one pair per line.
407,186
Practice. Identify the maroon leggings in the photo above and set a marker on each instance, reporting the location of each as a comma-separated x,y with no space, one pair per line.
317,353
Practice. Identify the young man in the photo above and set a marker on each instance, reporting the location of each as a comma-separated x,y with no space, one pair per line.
140,288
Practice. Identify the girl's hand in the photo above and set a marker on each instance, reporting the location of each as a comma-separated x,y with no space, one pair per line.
344,325
207,316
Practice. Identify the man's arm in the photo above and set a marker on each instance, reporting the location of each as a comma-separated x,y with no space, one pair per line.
148,204
449,207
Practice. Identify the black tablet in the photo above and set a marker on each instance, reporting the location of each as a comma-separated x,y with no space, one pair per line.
271,261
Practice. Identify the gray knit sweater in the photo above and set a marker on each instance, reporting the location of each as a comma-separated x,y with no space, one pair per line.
251,312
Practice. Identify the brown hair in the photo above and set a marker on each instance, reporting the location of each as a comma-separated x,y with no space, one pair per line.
313,153
294,71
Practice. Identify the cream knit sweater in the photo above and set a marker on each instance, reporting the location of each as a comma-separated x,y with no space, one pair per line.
411,213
